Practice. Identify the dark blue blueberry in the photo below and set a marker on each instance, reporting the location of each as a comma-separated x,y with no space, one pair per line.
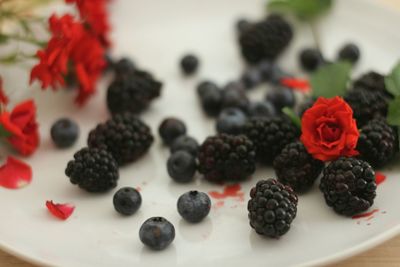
194,206
277,74
185,143
261,109
205,87
170,129
127,201
124,67
64,133
310,59
281,97
211,100
181,166
266,70
157,233
350,52
231,121
252,77
189,64
242,25
234,97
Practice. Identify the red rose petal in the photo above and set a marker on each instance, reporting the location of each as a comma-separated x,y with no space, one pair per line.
61,211
296,84
15,174
3,96
380,178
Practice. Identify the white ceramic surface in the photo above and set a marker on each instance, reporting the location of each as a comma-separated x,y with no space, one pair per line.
156,33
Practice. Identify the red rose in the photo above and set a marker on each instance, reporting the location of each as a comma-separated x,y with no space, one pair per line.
329,130
22,126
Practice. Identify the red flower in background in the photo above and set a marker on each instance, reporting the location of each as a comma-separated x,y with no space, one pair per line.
21,127
329,130
70,44
94,14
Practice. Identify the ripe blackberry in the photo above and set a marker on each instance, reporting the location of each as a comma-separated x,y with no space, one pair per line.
377,143
348,185
272,208
133,93
294,166
270,135
265,39
227,158
124,67
366,105
372,81
125,136
93,169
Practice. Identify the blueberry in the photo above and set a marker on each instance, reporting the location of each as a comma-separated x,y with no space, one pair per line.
242,25
170,129
231,121
124,67
157,233
189,64
277,74
234,97
281,97
350,52
252,77
211,101
127,201
64,133
181,166
205,87
310,59
185,143
266,70
194,206
261,109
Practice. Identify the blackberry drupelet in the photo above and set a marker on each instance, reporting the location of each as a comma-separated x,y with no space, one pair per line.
265,39
377,143
133,93
366,105
372,81
270,135
93,169
272,208
125,136
227,158
348,185
295,167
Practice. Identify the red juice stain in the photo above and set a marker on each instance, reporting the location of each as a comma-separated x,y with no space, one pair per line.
229,191
380,178
219,204
365,215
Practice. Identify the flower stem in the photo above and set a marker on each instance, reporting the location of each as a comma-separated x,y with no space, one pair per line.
25,39
316,36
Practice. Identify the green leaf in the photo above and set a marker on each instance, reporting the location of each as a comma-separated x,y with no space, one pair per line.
393,116
331,80
292,115
302,9
392,81
3,132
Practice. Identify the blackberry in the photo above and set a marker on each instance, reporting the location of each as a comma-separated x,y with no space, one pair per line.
64,133
227,158
170,129
265,39
270,135
189,64
125,136
157,233
348,185
377,143
373,81
194,206
127,201
366,105
295,167
94,170
133,93
272,208
124,67
310,59
349,52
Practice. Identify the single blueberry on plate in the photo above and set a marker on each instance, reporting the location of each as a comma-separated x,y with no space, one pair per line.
185,143
127,201
310,59
211,99
206,86
170,129
281,97
157,233
64,133
350,52
181,166
194,206
231,121
189,64
252,77
234,96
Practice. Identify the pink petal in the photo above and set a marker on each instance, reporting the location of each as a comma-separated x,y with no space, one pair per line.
15,174
61,211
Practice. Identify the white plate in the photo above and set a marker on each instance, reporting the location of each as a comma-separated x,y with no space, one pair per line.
157,34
